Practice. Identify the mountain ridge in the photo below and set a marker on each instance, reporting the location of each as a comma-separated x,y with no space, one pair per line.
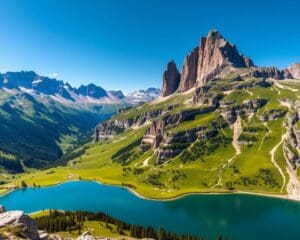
213,57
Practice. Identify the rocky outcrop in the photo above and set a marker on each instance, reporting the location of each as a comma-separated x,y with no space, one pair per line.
189,71
22,222
171,78
202,96
215,54
229,111
156,133
293,138
272,114
294,70
174,143
111,128
153,135
269,72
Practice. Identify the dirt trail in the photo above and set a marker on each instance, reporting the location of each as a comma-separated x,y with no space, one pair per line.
237,129
284,87
146,161
250,93
272,153
264,137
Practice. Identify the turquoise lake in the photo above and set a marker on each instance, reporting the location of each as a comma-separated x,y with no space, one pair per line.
235,216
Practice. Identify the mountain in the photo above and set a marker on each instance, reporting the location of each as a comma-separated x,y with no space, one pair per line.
222,124
43,118
142,96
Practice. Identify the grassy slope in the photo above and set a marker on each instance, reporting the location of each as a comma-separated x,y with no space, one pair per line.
174,178
38,130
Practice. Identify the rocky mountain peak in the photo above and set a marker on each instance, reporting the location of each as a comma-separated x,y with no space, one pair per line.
294,70
91,90
215,54
171,78
211,58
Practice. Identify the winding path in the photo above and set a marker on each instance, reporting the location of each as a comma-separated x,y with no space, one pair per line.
272,153
237,129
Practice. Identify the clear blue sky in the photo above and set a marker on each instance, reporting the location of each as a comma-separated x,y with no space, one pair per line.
125,44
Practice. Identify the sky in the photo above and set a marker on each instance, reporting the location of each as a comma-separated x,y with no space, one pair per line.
126,44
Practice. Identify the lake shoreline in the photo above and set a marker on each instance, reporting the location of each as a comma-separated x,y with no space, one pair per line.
178,196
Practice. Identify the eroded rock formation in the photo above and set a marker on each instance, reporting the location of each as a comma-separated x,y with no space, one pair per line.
294,70
171,78
189,71
21,221
215,54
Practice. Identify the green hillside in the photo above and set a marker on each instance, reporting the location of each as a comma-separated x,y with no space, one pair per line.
254,152
36,131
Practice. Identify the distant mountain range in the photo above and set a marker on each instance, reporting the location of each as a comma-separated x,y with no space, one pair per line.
42,118
33,84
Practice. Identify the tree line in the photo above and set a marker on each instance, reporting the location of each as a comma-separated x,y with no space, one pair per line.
58,221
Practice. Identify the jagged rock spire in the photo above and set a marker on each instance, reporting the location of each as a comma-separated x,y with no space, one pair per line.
171,78
189,71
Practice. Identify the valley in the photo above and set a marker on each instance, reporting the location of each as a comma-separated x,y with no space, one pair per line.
234,131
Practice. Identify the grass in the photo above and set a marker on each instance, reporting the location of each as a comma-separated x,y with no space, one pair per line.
252,170
199,120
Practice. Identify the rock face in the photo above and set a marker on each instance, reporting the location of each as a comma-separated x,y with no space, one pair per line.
189,71
230,112
171,79
17,219
215,53
109,129
173,144
269,72
204,63
294,70
91,90
272,114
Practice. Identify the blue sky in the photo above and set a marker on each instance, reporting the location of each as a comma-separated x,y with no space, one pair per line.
125,44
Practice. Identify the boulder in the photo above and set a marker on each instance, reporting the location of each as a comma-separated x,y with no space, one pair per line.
21,221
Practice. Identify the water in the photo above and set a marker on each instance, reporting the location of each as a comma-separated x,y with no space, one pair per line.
235,216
